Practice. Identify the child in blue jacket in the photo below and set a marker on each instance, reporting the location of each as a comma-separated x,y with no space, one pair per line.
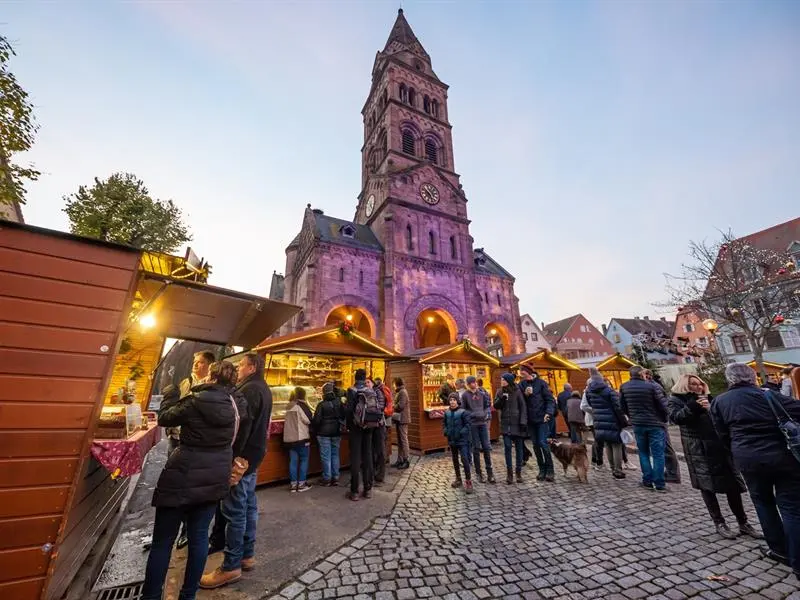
457,431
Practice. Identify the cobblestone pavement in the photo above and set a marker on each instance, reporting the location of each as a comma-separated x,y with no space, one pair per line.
608,539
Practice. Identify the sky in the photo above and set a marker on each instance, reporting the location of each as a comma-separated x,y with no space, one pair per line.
594,139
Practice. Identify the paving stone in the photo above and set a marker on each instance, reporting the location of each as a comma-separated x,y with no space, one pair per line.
310,577
293,590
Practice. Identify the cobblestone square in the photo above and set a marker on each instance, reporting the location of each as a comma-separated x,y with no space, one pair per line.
608,539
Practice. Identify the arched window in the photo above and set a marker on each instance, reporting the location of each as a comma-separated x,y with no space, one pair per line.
408,142
426,104
486,297
341,274
382,143
409,238
412,96
499,302
435,108
453,253
384,98
432,242
403,93
361,278
431,151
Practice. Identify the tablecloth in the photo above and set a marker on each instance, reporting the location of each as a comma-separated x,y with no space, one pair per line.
123,458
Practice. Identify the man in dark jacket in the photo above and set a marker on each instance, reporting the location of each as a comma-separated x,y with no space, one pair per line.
562,400
240,508
477,403
747,426
645,404
361,439
672,469
541,408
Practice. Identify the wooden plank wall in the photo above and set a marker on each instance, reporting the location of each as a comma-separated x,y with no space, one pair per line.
62,302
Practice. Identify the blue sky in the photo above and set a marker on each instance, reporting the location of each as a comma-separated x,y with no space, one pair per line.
594,139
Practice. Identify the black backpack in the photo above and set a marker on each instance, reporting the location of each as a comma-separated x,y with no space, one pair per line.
367,413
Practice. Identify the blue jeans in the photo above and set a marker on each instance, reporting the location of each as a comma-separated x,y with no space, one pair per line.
575,435
651,442
551,430
329,455
517,441
539,433
461,450
481,443
776,490
298,473
165,531
240,510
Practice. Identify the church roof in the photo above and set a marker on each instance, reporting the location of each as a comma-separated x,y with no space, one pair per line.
403,34
486,264
332,230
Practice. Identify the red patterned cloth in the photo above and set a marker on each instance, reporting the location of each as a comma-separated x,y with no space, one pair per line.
435,413
276,428
123,458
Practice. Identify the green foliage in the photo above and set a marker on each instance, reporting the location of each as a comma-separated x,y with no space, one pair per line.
121,210
712,371
639,356
17,131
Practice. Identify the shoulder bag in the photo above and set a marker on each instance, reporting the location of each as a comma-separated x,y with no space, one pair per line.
240,465
788,426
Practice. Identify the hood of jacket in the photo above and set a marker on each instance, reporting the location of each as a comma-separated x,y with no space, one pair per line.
596,385
213,402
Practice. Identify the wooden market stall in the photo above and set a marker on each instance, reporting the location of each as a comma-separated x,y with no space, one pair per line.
424,371
83,326
552,368
773,370
309,359
617,368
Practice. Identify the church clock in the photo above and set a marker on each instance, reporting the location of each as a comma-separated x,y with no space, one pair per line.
429,193
370,206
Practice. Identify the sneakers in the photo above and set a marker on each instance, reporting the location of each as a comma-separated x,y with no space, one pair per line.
303,487
519,476
324,482
334,482
647,486
724,531
217,578
405,465
248,564
628,466
749,530
481,478
597,467
491,478
510,477
366,494
550,477
456,484
779,558
352,497
618,475
540,476
292,487
468,487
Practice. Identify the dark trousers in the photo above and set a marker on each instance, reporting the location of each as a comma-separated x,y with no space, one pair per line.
551,429
463,452
361,461
539,433
774,490
518,443
672,470
168,521
526,452
575,435
216,540
481,444
379,453
734,501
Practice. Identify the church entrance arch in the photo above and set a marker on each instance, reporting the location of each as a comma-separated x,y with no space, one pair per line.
352,312
497,339
435,327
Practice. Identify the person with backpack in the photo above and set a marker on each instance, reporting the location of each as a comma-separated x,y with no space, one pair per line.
364,416
456,428
297,437
327,424
379,449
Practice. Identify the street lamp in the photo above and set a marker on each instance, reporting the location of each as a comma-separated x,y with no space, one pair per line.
711,326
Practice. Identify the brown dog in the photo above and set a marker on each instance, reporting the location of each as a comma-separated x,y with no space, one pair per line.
572,454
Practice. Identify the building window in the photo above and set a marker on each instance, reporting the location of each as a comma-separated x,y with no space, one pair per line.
688,328
761,306
341,274
773,340
412,97
486,297
617,339
740,344
453,253
408,142
499,303
725,344
524,337
384,98
403,93
426,104
409,238
435,111
534,337
431,242
361,278
418,65
791,337
431,151
702,342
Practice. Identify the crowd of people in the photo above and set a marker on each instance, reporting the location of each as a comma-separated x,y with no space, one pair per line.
218,419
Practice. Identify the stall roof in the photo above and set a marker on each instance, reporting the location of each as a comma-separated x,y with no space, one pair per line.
772,365
623,361
199,312
463,352
543,359
327,340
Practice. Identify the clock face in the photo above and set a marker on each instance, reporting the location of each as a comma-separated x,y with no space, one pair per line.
429,193
370,205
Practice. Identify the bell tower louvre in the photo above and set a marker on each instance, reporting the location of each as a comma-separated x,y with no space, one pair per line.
404,269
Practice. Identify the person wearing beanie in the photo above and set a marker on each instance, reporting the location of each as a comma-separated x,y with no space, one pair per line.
478,404
360,438
513,424
540,404
327,424
456,429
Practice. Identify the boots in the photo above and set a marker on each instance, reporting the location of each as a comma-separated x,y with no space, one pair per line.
468,487
519,476
477,459
490,475
456,484
509,476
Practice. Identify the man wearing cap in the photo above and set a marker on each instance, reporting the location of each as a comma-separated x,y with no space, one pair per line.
541,407
513,424
478,404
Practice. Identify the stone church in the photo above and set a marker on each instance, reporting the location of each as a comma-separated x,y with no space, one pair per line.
404,269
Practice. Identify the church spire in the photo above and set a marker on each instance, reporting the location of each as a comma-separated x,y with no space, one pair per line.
402,37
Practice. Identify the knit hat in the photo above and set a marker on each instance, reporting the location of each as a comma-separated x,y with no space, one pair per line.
329,390
454,396
361,375
471,379
509,378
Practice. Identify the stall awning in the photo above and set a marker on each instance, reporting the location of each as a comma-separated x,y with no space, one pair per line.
194,311
768,365
543,359
328,340
460,352
617,361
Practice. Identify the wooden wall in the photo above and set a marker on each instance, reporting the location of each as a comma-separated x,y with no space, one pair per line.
62,303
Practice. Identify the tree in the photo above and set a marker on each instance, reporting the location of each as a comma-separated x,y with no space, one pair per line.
743,287
17,131
639,356
121,210
712,371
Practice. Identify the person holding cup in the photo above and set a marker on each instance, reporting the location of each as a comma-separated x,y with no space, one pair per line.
710,465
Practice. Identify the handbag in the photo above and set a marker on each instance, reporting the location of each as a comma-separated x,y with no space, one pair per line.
240,465
627,437
788,426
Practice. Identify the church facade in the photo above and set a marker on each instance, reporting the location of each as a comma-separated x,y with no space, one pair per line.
404,270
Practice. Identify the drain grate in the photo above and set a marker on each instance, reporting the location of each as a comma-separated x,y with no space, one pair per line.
131,591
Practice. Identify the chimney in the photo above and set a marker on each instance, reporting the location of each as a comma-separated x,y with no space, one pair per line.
605,329
664,319
636,318
646,318
542,326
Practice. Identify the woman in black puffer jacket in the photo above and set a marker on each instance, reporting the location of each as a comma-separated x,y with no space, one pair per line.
195,477
710,464
327,426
